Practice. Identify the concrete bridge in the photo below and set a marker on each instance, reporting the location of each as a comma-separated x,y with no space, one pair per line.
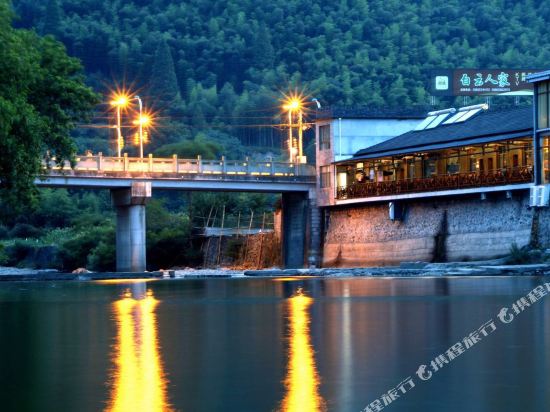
132,180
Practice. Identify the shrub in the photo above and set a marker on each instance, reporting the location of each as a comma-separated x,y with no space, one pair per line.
4,232
103,256
3,256
75,251
25,230
20,253
518,256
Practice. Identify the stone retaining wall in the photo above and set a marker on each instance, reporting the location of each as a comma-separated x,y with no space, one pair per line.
445,229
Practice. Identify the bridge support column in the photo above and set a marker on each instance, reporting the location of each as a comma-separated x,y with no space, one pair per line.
301,232
130,226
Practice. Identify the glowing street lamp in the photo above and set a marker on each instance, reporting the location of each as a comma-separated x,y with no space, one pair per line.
142,121
120,101
291,105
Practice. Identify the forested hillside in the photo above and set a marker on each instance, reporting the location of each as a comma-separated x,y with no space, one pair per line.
213,63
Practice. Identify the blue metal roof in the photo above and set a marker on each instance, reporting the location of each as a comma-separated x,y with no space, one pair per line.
538,77
484,127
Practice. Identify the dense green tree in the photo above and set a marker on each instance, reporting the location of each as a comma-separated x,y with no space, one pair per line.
42,96
164,83
52,20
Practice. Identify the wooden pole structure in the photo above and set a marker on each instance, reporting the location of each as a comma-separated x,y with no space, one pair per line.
209,237
258,264
248,237
209,215
220,238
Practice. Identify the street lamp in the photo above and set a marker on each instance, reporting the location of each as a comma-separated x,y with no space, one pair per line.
291,105
120,101
140,121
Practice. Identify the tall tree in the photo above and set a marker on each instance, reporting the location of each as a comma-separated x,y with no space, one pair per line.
52,21
164,83
42,96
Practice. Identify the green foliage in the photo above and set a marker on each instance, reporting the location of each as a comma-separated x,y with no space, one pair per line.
224,63
55,208
4,259
52,19
42,96
103,256
168,238
4,232
518,256
164,83
24,230
190,149
95,245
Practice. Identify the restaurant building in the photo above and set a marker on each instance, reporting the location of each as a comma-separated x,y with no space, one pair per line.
463,184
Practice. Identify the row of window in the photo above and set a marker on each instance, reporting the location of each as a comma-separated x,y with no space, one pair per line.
487,159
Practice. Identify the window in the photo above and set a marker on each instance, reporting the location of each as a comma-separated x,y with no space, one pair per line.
542,106
452,165
324,137
430,166
545,146
325,176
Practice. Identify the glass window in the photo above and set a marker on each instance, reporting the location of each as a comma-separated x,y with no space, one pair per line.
437,121
473,163
430,167
545,146
453,165
324,137
325,176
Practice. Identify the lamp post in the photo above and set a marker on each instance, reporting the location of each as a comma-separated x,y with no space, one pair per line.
119,102
300,131
292,105
290,135
140,126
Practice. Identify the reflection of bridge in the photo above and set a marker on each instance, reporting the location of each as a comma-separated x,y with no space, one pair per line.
131,181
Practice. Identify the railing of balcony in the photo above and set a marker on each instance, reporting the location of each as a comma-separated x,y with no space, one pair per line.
173,167
444,182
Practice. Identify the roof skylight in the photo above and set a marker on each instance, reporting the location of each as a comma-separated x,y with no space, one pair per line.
434,119
464,113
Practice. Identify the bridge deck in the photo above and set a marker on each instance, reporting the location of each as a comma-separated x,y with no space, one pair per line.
181,174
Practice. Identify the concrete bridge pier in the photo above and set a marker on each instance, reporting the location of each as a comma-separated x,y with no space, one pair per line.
130,226
301,234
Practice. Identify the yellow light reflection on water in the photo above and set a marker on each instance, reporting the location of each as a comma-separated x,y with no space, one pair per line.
302,379
139,382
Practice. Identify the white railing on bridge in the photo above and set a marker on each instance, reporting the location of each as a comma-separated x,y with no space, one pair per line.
98,164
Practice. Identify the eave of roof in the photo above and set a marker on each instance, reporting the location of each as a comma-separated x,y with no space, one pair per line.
538,77
441,146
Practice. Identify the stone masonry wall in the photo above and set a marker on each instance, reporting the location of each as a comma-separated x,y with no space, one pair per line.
465,228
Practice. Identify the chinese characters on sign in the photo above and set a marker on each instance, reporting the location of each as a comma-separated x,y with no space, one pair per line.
480,82
469,82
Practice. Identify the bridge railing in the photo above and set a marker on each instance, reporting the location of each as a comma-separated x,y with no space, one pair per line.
98,164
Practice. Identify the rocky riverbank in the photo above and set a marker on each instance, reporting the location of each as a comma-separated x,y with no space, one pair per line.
410,269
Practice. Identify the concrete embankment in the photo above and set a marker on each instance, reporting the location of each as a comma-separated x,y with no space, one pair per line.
434,230
413,269
429,270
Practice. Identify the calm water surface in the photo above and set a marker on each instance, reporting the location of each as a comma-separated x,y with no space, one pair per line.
259,345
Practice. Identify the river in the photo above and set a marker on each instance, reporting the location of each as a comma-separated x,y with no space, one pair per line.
267,344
